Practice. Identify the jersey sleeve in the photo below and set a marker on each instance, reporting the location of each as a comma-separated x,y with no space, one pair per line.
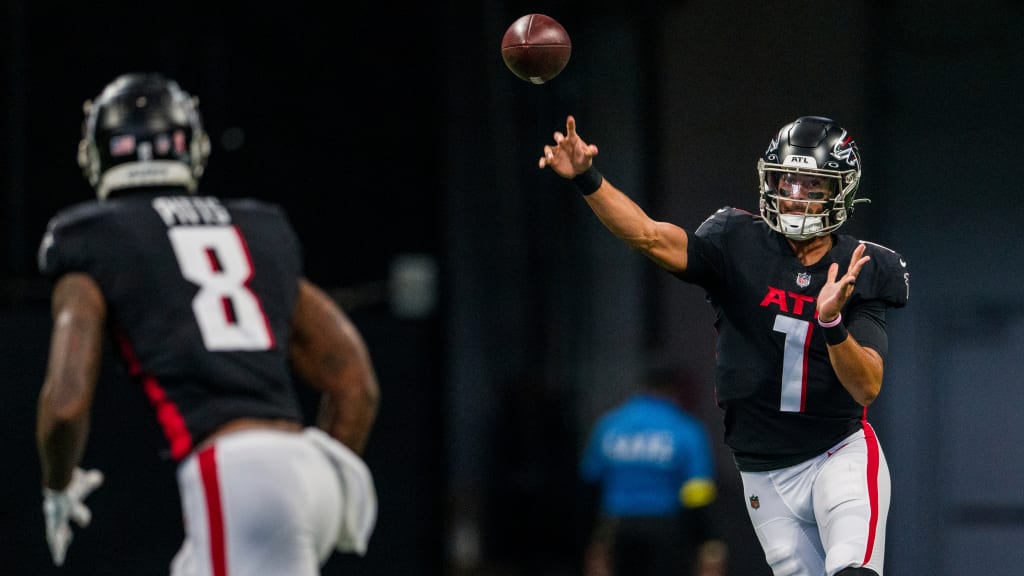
883,283
866,323
64,247
889,278
273,222
705,252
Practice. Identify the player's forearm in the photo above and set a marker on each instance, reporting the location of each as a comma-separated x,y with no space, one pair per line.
72,371
351,390
622,216
61,444
663,243
348,412
328,353
350,394
859,369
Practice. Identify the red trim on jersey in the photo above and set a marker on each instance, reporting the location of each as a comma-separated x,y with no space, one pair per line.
873,462
170,419
211,257
229,310
214,512
259,302
806,371
167,414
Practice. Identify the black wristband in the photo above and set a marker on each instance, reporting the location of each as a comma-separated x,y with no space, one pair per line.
835,334
589,181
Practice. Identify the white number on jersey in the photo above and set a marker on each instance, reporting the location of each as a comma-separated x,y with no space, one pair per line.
794,362
229,315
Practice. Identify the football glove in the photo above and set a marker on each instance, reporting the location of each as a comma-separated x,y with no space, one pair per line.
62,506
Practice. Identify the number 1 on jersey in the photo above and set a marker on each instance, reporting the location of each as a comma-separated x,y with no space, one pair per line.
229,315
794,362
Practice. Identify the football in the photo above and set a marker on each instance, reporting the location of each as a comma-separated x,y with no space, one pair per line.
536,48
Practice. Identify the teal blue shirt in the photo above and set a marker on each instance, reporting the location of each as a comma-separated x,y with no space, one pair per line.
642,453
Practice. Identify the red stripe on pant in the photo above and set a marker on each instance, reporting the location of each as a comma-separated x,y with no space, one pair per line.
873,460
214,513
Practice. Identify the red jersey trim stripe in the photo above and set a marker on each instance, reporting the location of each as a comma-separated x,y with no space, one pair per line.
167,413
807,359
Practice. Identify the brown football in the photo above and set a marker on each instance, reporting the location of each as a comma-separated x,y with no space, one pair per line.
536,48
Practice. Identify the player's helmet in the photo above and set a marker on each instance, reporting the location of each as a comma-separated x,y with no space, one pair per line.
817,146
142,130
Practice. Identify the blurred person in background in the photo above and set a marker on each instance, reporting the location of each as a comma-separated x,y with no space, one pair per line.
651,463
206,301
801,323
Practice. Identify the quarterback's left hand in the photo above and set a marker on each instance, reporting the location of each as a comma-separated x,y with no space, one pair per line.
62,506
837,289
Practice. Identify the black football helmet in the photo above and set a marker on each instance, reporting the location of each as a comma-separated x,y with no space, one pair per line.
810,145
142,130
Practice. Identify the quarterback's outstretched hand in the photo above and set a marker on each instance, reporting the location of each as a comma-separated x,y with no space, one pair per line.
62,506
570,155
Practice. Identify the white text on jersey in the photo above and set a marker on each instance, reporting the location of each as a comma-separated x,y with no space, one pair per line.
191,210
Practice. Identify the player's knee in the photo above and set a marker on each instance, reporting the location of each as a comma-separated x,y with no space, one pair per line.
856,572
783,561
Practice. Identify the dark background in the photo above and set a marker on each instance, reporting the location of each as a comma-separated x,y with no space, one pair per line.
393,132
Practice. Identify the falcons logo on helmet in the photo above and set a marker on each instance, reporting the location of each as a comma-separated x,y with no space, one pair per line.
774,144
845,149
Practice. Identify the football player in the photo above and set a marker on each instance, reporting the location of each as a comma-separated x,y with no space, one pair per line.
800,316
207,303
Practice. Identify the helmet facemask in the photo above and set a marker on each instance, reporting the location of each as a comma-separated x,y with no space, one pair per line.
797,212
809,178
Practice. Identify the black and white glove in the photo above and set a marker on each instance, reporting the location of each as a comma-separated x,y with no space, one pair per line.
62,506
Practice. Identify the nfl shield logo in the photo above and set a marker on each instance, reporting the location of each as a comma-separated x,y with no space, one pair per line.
754,502
803,279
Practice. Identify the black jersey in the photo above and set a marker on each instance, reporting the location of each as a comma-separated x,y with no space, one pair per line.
200,294
782,400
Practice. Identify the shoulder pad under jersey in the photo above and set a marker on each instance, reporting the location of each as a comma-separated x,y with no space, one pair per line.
888,276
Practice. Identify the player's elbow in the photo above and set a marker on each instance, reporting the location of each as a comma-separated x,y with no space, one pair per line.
643,242
369,394
861,374
64,405
867,398
664,244
867,392
360,390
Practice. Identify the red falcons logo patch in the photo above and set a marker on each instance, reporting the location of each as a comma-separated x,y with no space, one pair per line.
754,502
